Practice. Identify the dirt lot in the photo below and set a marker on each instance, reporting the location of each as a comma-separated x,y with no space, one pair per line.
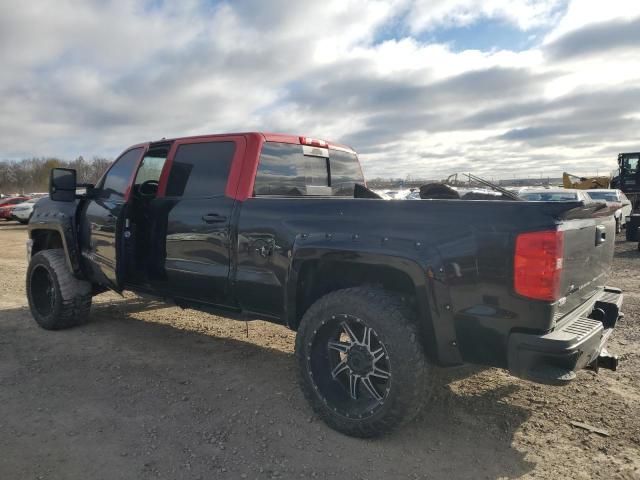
151,391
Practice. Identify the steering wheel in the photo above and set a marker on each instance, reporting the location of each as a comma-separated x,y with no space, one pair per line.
148,189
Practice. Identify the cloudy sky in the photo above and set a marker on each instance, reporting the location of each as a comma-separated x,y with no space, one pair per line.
419,87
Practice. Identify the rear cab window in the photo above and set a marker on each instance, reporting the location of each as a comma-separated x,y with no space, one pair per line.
299,170
551,197
606,196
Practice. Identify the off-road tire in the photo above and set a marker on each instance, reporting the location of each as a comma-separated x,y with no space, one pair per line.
70,298
411,376
628,234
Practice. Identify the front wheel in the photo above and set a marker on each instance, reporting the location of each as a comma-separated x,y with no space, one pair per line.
57,299
361,362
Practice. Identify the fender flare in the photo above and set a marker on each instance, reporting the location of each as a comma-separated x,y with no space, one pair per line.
64,225
422,263
436,323
300,256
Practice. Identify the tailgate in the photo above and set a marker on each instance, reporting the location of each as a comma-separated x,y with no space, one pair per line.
589,241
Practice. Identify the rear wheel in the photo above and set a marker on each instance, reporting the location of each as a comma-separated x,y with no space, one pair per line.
361,362
57,299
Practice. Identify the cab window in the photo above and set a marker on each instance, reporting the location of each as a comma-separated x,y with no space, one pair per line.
148,176
287,170
200,169
151,167
631,164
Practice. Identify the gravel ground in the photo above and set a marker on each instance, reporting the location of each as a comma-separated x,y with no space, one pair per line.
146,390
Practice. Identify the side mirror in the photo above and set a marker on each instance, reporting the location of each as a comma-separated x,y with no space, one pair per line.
62,185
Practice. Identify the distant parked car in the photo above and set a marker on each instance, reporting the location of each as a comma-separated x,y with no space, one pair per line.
7,204
558,195
22,212
611,196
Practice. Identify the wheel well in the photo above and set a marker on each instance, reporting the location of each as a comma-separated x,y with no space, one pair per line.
45,240
317,278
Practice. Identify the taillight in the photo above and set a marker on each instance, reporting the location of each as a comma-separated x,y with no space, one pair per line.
313,142
537,264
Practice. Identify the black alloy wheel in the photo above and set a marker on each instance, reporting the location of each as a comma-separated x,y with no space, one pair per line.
350,366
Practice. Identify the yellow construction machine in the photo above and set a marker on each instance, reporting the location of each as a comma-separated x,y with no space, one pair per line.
584,183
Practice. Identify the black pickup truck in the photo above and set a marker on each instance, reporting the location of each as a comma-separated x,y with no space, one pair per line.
283,228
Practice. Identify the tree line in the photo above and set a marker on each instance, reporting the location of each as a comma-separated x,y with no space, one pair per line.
31,175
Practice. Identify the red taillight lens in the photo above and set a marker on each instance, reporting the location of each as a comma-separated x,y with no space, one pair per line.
537,265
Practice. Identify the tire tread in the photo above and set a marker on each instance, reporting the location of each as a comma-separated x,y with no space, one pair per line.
415,388
75,293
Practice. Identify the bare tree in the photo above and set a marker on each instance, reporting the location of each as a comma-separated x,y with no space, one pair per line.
32,174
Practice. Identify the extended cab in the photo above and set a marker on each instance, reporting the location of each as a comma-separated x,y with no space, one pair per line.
283,228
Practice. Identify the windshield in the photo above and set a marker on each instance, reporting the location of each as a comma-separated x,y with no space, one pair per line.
606,196
550,196
630,164
151,167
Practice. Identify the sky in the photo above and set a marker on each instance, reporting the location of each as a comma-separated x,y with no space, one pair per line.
420,88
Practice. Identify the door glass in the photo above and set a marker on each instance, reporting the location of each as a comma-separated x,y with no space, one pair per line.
116,181
279,172
200,169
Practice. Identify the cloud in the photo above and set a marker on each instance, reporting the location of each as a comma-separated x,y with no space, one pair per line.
584,13
611,37
92,77
524,14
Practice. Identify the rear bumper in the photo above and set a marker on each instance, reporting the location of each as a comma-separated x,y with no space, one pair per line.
577,342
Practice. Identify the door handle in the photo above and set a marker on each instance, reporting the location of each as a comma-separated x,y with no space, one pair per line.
601,235
214,218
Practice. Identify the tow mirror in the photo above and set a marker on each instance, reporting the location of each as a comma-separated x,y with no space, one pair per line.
62,185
